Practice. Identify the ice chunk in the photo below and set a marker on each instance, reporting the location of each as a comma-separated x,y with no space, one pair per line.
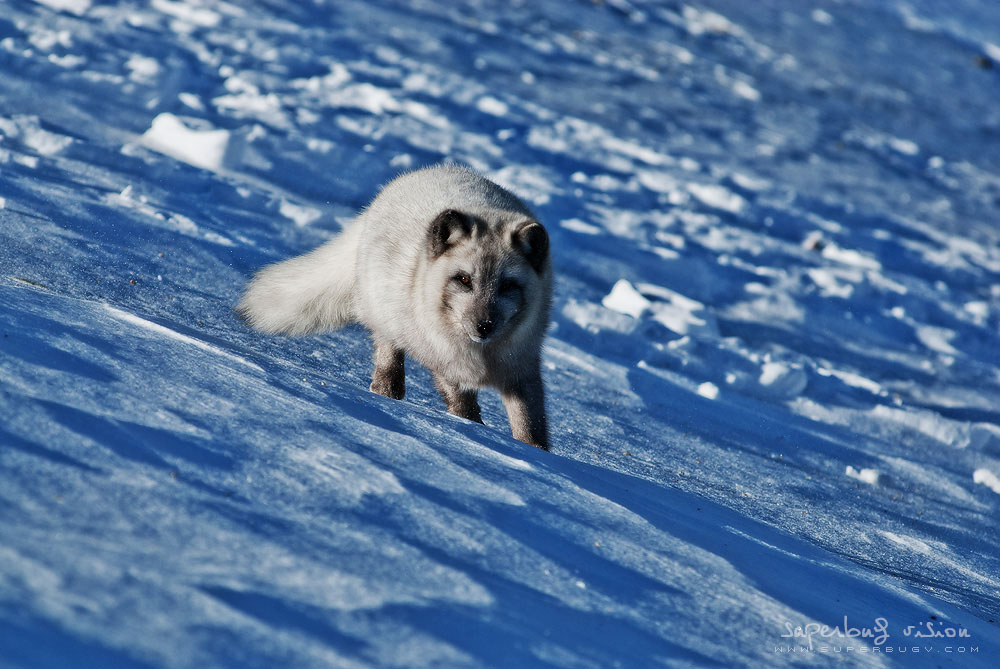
781,380
988,479
491,105
937,339
625,299
905,146
679,313
717,196
202,148
869,476
708,390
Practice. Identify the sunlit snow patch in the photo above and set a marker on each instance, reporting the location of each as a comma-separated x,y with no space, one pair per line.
29,132
829,285
698,22
595,317
78,7
782,381
852,379
189,15
301,215
850,257
177,222
202,148
988,479
751,183
492,106
869,476
576,225
142,68
364,96
954,433
819,16
674,311
936,338
718,197
679,313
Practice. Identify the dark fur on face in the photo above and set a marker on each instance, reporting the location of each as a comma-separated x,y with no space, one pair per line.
489,272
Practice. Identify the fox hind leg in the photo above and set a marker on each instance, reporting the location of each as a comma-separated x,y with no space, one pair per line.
388,378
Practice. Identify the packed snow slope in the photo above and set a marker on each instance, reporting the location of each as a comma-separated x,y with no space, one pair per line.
773,368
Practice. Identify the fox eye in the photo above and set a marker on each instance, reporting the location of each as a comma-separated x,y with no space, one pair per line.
508,285
463,279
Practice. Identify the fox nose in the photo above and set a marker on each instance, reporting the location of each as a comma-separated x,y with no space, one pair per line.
484,328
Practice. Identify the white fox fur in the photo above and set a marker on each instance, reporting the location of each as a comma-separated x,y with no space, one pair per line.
443,265
311,293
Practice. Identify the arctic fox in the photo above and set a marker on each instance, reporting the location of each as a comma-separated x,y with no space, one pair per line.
445,266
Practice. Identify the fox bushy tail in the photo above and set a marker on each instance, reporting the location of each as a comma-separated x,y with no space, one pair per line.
309,293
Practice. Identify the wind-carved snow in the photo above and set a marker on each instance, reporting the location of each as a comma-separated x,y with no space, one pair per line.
576,225
27,131
771,372
78,7
717,196
597,317
161,330
301,215
189,14
675,311
782,380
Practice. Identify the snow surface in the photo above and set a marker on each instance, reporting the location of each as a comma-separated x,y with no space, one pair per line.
773,369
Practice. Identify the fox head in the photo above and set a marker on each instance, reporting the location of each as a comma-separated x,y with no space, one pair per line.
489,276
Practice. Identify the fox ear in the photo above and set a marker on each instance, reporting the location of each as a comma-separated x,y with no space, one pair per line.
532,240
446,230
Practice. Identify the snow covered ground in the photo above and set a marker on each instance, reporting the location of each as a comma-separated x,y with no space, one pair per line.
773,369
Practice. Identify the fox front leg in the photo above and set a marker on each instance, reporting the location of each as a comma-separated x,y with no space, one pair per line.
463,403
388,378
525,404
